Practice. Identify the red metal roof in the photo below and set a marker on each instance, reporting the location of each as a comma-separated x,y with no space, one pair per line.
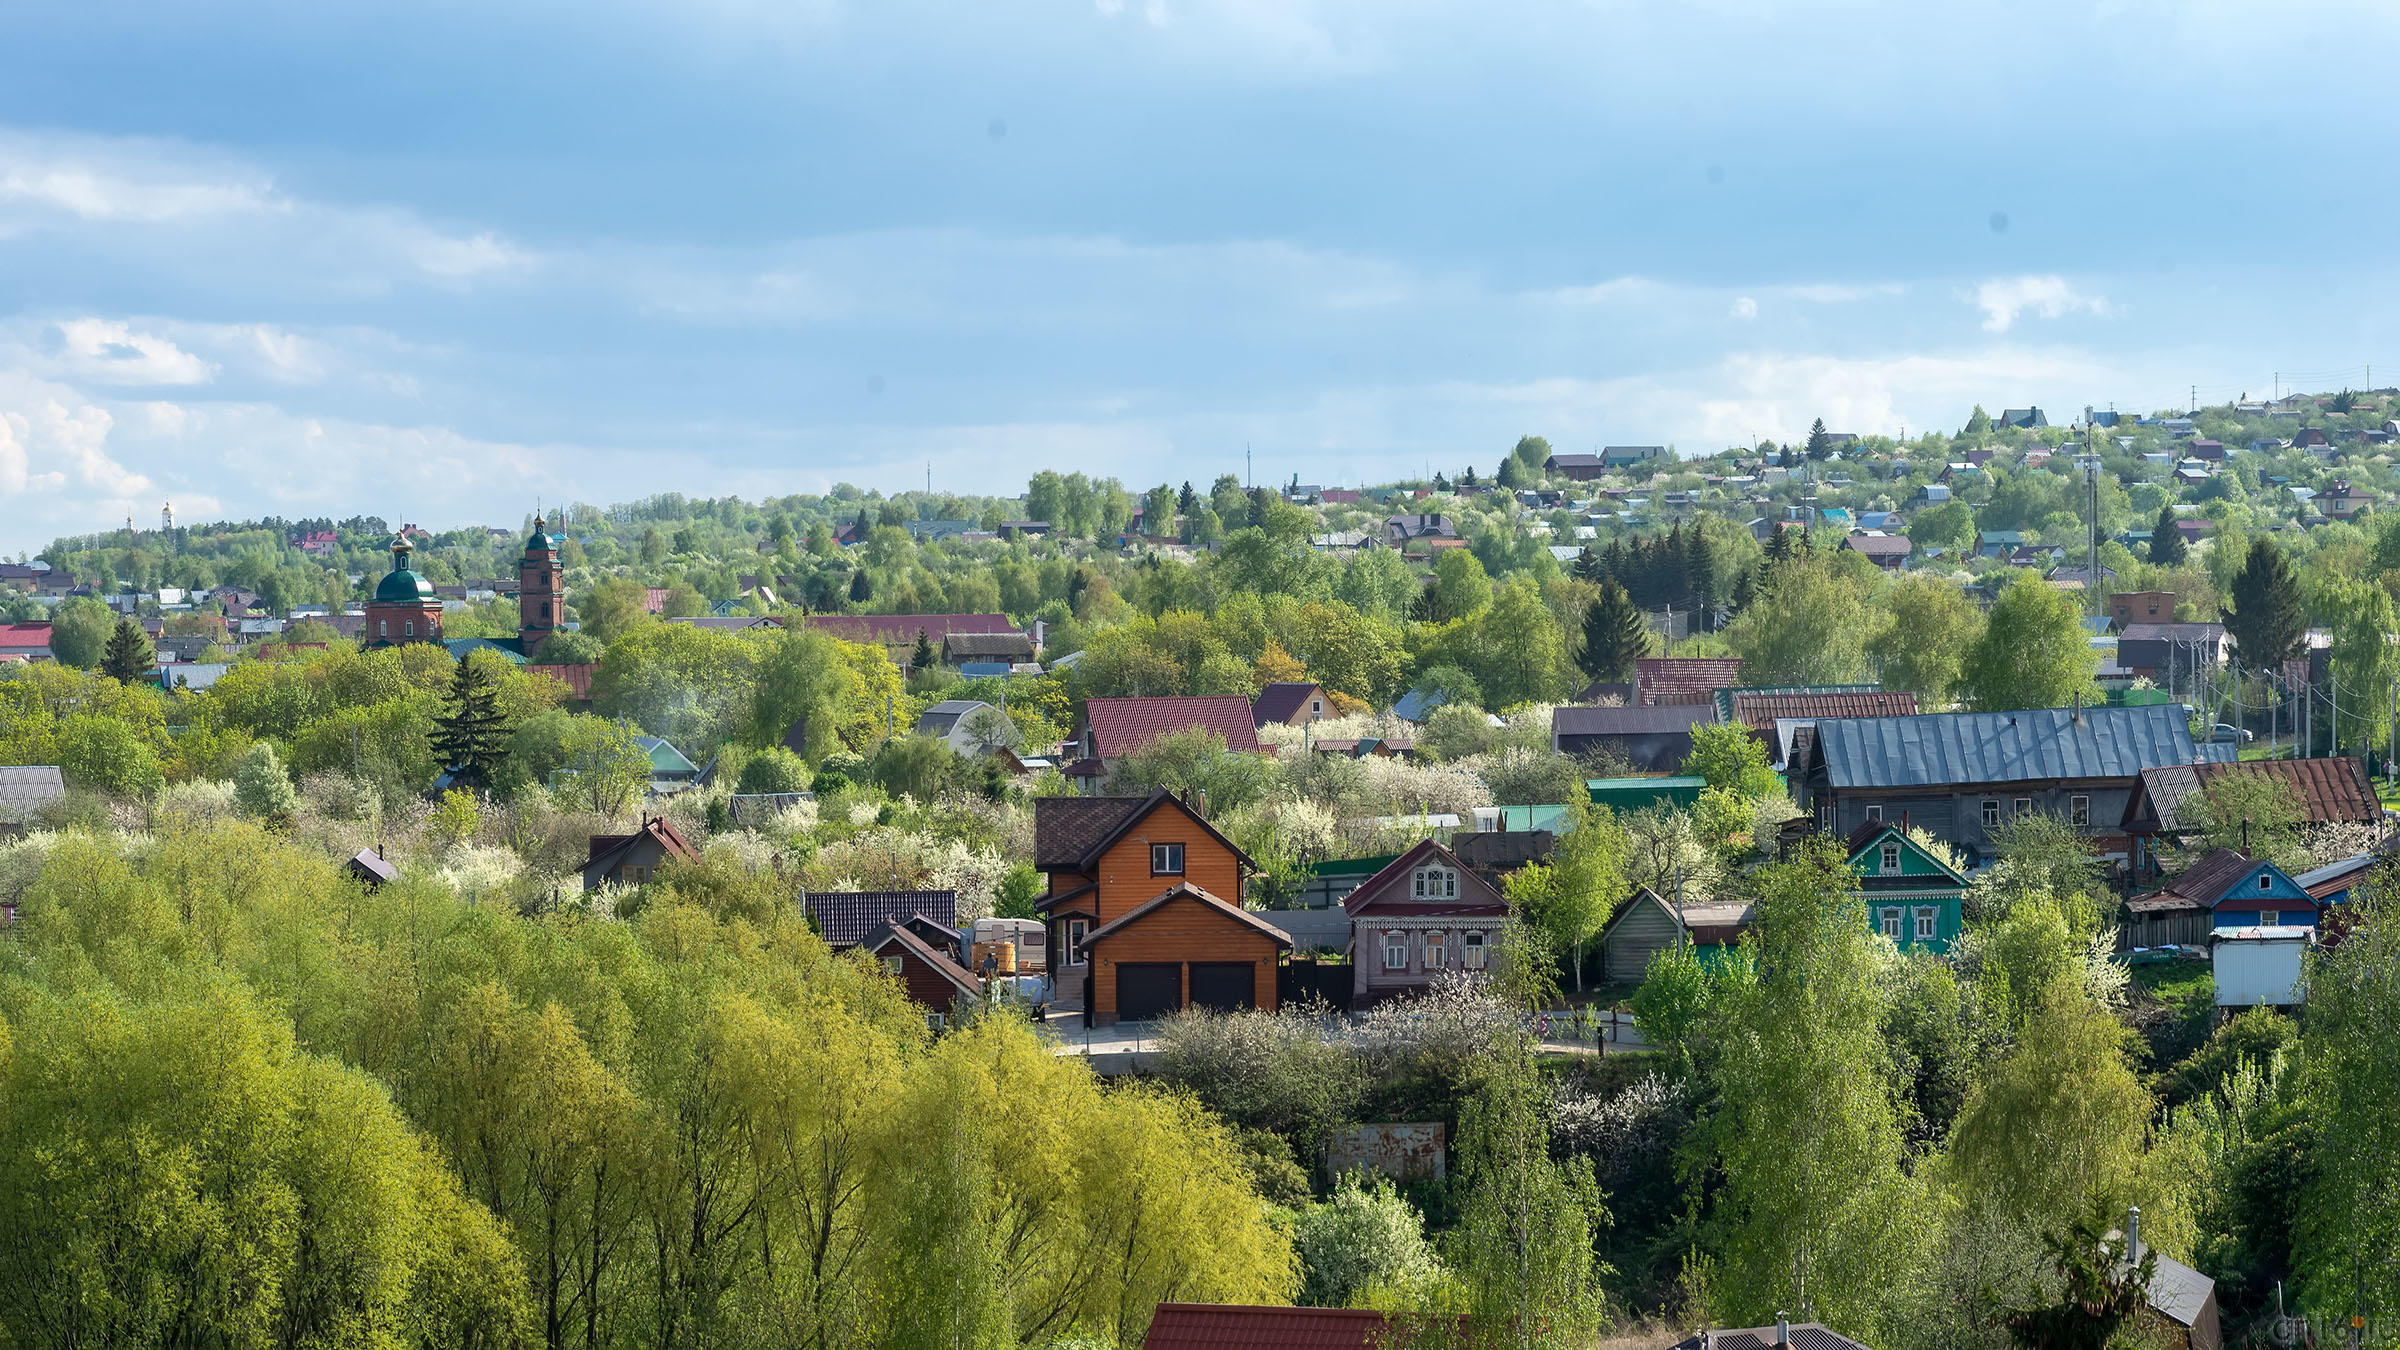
1684,679
1121,726
24,636
577,679
1228,1326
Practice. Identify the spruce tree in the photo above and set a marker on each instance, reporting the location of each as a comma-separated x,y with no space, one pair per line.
471,737
1674,568
2167,548
860,587
2264,615
1779,544
1820,444
1440,484
1588,567
1745,590
1700,568
1615,635
922,657
1187,501
128,657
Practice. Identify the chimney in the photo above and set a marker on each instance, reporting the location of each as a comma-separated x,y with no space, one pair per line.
2133,1234
2245,836
1783,1328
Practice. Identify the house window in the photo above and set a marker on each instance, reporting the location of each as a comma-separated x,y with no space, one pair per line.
2024,807
1470,954
1166,860
1434,950
383,628
411,626
892,964
1875,814
2265,882
1075,931
1436,883
1891,924
2079,810
1926,923
935,1021
1891,857
2270,918
1395,951
1991,814
545,611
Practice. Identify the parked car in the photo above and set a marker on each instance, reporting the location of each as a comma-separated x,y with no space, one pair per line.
2225,733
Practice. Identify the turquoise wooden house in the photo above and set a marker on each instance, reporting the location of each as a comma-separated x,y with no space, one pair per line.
1913,897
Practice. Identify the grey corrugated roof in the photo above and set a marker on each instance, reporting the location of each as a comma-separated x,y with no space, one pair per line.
25,790
2001,747
1576,720
2175,1288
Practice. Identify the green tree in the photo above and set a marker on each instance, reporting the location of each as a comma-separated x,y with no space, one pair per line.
2263,611
1948,525
862,587
1516,649
2104,1287
2167,548
2365,666
1729,756
128,659
922,657
1809,624
471,738
1461,588
456,819
261,786
1820,442
774,770
605,768
1924,648
2349,1218
79,631
107,754
2034,651
1615,635
612,608
1816,1210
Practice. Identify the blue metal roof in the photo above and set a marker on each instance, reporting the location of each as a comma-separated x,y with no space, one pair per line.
1936,749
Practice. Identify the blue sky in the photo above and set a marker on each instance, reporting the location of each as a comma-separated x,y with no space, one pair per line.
434,261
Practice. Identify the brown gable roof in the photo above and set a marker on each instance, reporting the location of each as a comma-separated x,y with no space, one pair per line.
848,918
941,964
1474,893
1073,827
1186,890
2207,879
1759,711
659,828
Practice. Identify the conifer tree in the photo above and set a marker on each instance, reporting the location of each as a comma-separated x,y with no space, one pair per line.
1615,635
1588,567
922,657
2167,548
1820,444
1187,501
1674,572
471,737
128,658
1700,571
2264,614
860,587
1779,544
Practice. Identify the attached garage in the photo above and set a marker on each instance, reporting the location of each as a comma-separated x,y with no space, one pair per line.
1148,989
1226,986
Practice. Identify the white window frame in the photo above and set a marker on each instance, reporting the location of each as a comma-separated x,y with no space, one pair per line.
1076,928
1889,860
1395,951
2024,808
1471,952
2270,918
1991,813
2266,882
1437,950
1436,883
2079,810
1166,860
1888,922
895,964
1875,815
1928,923
934,1021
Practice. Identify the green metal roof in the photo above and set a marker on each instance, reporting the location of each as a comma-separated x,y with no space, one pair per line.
400,586
1349,867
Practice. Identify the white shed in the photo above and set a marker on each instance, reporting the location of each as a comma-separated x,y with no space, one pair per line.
2260,965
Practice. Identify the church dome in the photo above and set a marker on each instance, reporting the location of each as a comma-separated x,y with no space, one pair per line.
541,542
401,586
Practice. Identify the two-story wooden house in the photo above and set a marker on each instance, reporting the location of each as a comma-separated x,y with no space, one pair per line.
1961,776
1913,897
1424,914
1144,910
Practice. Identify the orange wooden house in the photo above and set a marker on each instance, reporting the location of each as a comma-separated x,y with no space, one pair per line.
1145,905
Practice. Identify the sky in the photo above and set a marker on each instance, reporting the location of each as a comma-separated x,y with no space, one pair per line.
440,261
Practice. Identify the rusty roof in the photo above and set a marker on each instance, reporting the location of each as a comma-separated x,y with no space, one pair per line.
2207,880
2333,788
1759,711
1683,679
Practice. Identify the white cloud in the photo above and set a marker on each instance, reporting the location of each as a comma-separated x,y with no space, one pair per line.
450,256
140,181
2003,299
113,352
1744,307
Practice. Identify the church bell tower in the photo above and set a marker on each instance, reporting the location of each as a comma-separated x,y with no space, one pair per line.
539,598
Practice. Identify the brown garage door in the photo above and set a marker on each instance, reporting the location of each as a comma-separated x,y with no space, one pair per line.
1148,989
1224,985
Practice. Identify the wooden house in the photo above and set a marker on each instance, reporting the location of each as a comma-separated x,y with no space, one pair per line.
1650,923
1144,909
1913,897
1289,703
1424,914
931,974
2225,890
2169,802
371,868
634,859
846,919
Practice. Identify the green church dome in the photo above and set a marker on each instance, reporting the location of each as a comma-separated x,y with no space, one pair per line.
401,586
541,542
